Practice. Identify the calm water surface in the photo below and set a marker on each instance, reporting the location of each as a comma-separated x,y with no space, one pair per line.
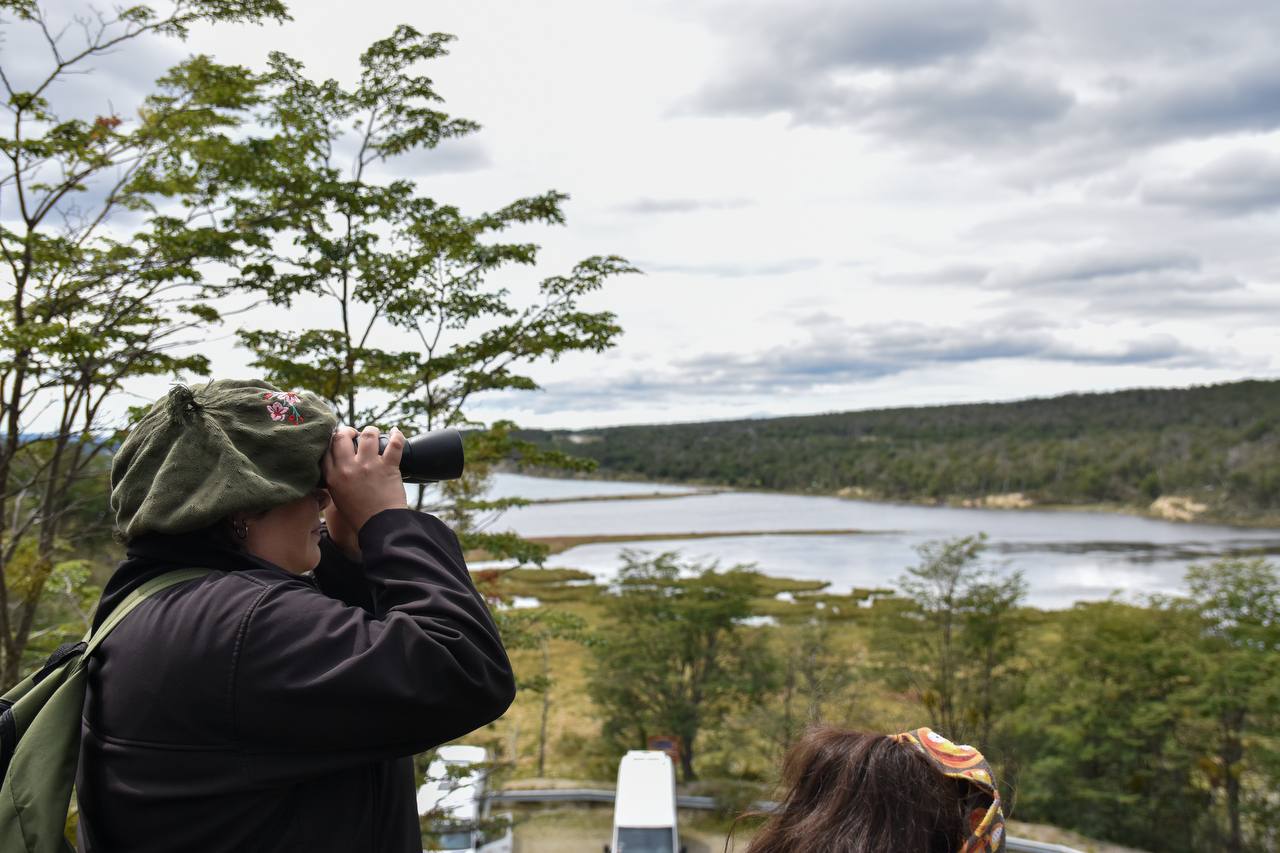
1065,556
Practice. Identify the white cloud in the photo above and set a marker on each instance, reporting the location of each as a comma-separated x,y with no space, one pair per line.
989,199
1240,182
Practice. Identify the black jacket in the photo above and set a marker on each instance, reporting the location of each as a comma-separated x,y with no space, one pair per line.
255,710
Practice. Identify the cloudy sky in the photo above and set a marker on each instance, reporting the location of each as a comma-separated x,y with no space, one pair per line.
846,205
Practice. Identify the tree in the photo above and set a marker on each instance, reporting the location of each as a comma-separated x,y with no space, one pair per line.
993,629
813,675
1105,746
420,325
535,629
1236,605
952,634
672,656
90,299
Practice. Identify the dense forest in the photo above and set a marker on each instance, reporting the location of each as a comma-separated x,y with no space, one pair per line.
1152,723
1216,445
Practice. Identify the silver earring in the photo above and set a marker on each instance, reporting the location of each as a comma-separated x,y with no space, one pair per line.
241,529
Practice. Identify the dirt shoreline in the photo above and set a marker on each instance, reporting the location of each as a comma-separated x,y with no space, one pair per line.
645,496
560,544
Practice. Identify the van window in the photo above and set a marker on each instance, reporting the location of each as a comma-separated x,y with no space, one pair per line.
453,840
648,840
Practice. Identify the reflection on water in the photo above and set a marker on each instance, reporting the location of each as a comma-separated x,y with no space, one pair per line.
545,488
1066,556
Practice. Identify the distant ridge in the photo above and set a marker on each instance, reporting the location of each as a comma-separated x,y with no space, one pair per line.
1206,452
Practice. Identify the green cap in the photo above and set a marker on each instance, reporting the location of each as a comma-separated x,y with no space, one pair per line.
205,452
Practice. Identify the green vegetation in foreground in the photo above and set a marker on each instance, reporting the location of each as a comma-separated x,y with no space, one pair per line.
1211,452
1154,725
557,829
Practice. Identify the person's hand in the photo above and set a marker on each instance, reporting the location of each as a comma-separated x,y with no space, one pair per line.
362,483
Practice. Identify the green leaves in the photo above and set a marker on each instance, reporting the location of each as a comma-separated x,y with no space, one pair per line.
187,12
397,260
1157,725
23,10
1105,746
116,223
673,654
1235,667
533,627
238,11
953,638
398,101
1239,601
421,322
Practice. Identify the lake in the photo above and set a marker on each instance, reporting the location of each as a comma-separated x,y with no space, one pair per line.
1066,556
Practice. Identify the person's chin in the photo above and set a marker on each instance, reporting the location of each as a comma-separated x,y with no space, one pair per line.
309,563
313,555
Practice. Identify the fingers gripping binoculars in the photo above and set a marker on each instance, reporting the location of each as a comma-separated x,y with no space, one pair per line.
429,457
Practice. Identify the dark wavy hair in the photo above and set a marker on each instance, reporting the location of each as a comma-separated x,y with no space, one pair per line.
854,792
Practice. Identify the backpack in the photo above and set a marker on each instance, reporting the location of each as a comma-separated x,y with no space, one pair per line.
40,735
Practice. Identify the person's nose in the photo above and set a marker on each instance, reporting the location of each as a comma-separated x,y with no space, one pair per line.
322,498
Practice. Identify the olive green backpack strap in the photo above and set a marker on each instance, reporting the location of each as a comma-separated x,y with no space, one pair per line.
40,735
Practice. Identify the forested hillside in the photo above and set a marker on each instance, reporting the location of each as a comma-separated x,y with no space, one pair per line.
1216,445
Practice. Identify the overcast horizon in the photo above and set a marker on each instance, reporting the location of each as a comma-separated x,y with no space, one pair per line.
849,206
862,410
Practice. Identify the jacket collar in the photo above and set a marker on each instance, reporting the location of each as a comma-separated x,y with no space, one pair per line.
152,554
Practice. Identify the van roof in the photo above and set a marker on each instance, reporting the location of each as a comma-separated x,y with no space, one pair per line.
646,790
463,753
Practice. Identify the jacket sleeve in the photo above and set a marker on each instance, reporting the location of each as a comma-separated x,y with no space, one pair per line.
338,576
315,675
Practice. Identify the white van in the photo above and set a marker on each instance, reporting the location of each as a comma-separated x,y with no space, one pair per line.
644,809
455,788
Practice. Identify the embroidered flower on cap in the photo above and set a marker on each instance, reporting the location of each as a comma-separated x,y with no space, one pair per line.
283,406
204,452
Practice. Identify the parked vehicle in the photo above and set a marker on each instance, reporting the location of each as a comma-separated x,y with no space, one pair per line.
454,793
644,809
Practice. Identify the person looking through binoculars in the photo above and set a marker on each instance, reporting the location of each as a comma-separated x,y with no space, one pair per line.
275,702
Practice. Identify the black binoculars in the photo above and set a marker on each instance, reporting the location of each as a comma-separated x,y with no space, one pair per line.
428,458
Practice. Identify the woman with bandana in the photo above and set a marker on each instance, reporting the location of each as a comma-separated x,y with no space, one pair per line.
852,792
274,702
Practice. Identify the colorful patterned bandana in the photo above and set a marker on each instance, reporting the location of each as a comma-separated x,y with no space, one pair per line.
986,821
